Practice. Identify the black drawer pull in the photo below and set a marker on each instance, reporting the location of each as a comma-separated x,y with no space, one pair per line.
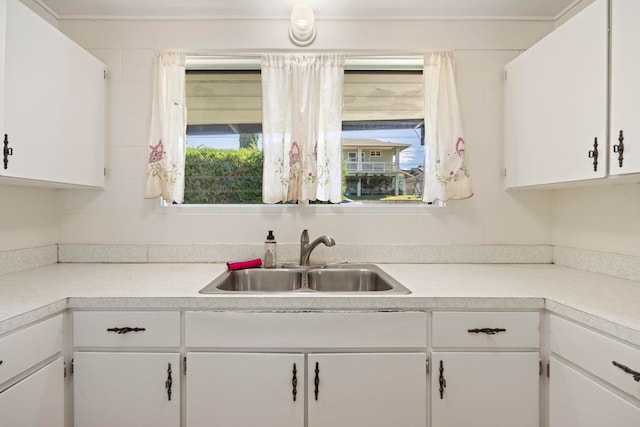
294,382
169,382
593,154
488,331
316,380
7,151
126,330
636,374
619,149
442,381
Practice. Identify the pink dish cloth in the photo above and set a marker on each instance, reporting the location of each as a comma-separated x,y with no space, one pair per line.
241,265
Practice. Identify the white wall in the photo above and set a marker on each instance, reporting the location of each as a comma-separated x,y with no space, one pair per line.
121,215
28,218
603,218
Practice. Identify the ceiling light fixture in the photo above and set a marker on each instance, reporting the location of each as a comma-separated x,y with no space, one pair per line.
302,31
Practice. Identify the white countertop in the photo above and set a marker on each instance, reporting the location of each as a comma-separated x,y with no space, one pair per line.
606,303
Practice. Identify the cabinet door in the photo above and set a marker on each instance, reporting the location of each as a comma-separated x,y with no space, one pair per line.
625,91
373,390
36,401
496,389
126,389
577,401
245,389
556,104
54,108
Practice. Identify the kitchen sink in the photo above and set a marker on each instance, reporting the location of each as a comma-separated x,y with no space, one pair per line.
258,280
339,278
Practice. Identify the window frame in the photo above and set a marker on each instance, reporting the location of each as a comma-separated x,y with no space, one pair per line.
356,62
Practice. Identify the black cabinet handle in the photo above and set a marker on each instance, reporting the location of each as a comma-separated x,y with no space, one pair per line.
619,148
488,331
294,382
443,382
126,330
593,154
0,362
635,374
169,382
316,381
7,151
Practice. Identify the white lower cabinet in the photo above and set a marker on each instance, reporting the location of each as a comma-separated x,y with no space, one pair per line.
36,401
372,390
578,401
126,389
497,389
32,392
306,369
245,389
594,380
340,389
485,369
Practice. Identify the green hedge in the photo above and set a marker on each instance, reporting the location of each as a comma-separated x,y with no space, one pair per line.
215,176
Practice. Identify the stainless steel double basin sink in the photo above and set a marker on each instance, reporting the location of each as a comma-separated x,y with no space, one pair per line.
339,278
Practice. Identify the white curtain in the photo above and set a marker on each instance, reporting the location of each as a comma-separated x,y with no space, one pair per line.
167,143
446,176
302,127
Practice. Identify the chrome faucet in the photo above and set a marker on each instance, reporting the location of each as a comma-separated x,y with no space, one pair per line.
306,248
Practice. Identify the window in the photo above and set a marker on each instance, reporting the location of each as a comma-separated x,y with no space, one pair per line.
383,131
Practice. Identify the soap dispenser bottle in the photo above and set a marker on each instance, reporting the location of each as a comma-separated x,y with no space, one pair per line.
270,251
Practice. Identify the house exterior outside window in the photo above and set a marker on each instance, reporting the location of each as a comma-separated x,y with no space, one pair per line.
378,171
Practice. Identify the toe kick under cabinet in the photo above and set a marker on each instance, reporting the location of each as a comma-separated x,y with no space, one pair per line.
485,369
316,369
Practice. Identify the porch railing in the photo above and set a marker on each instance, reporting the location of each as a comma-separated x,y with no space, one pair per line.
371,167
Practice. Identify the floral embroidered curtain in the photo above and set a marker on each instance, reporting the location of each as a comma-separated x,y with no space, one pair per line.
446,174
302,127
167,143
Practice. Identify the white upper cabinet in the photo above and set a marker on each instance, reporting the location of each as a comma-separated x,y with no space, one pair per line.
625,90
556,104
52,104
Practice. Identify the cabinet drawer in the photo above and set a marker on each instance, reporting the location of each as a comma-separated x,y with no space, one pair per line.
126,329
486,329
596,353
23,349
306,330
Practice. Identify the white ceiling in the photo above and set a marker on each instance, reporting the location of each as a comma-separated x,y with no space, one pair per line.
324,9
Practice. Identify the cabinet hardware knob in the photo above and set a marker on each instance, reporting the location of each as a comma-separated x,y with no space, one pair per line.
619,148
316,381
7,151
294,382
443,382
635,374
125,330
593,154
169,382
488,331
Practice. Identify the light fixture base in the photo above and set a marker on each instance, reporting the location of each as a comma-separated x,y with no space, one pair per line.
302,42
